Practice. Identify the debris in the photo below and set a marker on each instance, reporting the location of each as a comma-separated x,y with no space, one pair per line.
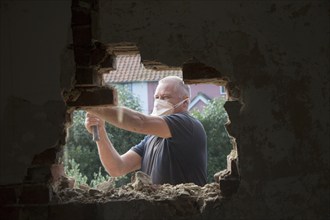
107,185
63,183
141,180
141,187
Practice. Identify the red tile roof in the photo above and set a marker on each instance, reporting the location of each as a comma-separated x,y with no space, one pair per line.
128,68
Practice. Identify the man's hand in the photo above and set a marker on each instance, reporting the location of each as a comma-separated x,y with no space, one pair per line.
92,120
114,163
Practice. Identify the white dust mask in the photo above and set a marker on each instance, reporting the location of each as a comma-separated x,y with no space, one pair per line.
162,107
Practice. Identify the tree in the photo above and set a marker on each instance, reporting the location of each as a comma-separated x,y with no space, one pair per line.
80,148
214,117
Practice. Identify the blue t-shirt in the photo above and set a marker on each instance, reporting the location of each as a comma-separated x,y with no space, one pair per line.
179,159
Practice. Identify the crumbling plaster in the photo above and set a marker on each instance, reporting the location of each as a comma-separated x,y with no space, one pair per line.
278,54
276,51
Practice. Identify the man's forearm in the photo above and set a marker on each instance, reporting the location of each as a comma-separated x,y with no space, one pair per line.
110,158
121,117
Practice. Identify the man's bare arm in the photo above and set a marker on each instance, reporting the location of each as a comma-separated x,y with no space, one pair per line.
134,121
114,163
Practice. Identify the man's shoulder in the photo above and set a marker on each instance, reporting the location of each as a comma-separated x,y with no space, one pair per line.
183,117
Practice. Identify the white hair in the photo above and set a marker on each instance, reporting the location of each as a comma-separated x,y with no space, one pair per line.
182,88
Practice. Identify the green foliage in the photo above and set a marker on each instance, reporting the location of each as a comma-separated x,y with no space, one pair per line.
83,150
214,117
98,178
121,139
81,156
72,170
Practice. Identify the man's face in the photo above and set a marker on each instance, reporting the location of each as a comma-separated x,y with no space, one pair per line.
167,92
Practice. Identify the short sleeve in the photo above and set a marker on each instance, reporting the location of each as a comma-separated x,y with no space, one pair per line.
140,148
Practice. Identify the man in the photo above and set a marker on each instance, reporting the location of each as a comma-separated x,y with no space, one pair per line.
174,150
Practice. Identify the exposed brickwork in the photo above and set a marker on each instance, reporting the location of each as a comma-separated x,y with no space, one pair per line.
37,174
35,194
101,96
278,51
9,194
47,157
10,212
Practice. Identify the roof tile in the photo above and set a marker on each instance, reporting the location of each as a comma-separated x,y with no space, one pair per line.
128,68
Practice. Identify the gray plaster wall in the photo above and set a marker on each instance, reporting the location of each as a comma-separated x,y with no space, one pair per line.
278,54
33,38
276,51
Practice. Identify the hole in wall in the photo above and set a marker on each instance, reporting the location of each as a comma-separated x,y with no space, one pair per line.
143,189
93,59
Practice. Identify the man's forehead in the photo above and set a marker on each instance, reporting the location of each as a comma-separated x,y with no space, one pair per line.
166,86
165,89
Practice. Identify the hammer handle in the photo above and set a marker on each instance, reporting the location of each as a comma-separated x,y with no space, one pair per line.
96,136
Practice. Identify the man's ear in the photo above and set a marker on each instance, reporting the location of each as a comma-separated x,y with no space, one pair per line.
186,103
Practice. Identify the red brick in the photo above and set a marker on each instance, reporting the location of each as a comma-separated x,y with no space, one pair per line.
38,174
82,35
9,194
87,77
80,16
9,213
34,212
82,56
35,194
107,62
57,171
98,96
98,53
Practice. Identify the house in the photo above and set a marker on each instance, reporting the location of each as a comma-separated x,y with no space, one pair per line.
142,79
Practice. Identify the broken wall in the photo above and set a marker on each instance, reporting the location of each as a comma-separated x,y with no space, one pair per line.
34,36
277,52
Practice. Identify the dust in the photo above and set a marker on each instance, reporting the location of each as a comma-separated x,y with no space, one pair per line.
140,188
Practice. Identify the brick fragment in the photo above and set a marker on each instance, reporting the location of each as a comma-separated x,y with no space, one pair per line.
98,96
87,76
57,171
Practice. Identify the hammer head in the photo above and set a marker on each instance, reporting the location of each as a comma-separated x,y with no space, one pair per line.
82,97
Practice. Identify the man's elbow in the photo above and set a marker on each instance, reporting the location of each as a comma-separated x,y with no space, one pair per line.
115,172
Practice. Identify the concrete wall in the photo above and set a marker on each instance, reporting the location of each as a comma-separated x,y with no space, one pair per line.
33,37
276,51
278,54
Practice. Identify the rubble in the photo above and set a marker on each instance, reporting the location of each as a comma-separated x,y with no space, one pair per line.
142,188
